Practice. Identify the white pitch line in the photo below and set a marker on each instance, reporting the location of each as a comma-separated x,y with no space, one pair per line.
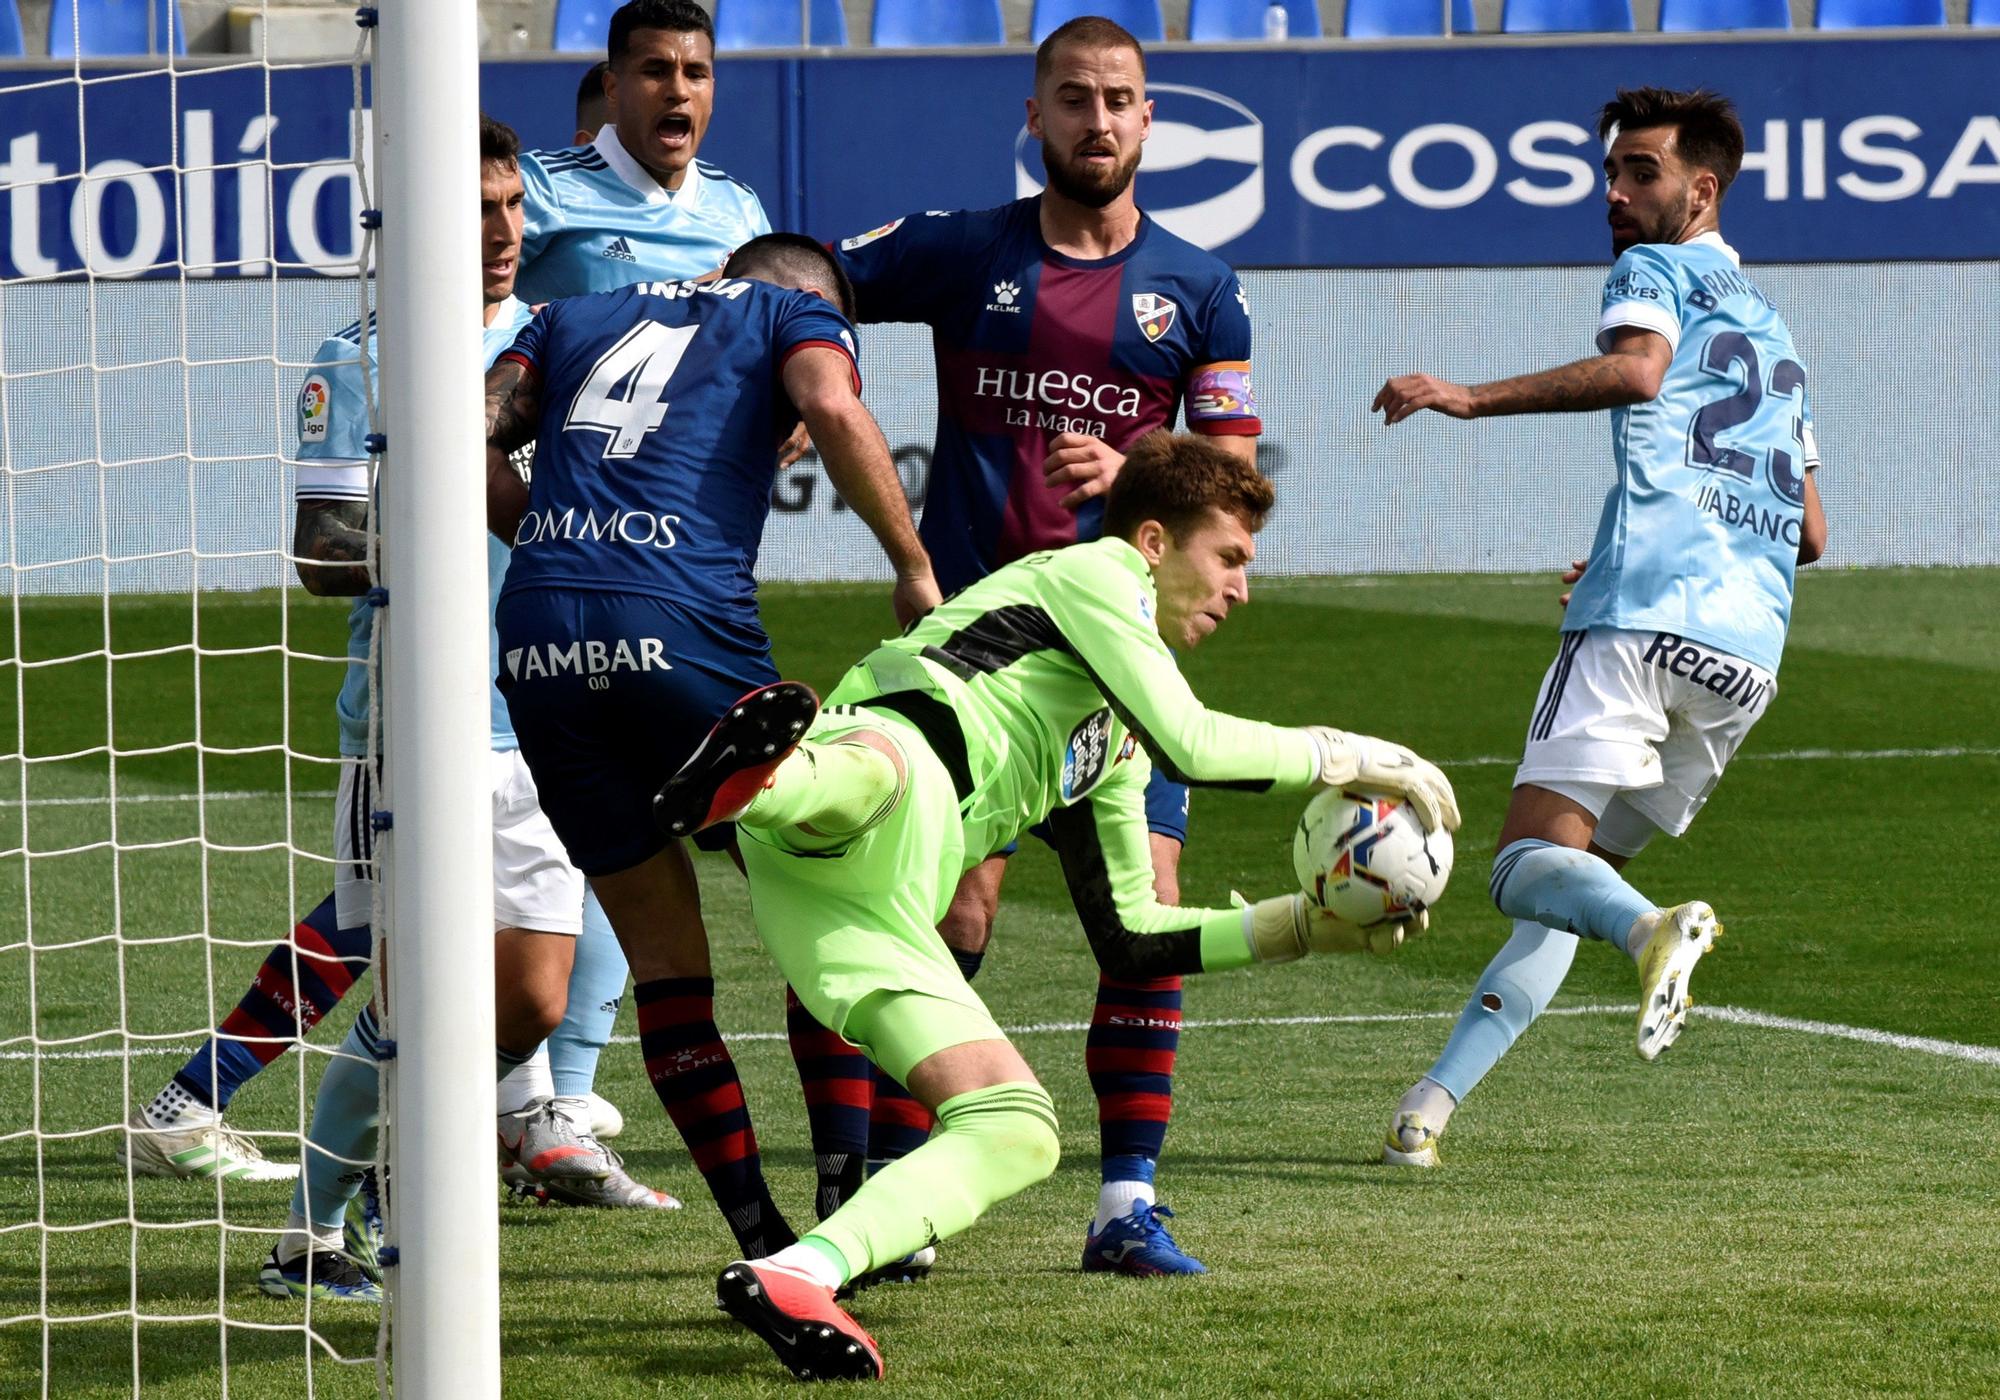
1923,1044
243,795
1737,1015
1479,761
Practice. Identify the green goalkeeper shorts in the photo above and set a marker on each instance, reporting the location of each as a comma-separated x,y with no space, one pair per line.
855,930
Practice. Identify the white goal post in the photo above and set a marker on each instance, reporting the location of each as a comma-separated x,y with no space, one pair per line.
437,850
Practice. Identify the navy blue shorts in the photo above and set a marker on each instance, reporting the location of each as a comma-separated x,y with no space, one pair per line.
609,694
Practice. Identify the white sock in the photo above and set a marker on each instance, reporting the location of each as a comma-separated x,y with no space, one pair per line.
1431,1100
804,1259
175,1107
1115,1200
573,1109
1643,929
526,1082
300,1235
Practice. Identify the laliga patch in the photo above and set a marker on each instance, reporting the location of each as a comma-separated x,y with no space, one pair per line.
1084,761
313,408
1154,312
862,240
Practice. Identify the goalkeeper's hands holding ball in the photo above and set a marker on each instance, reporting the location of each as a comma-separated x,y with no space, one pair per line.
1377,763
1288,926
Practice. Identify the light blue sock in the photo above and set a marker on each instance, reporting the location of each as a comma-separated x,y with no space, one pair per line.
1515,988
1565,888
340,1145
596,986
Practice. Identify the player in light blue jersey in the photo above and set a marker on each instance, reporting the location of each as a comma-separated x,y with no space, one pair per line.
636,204
1672,637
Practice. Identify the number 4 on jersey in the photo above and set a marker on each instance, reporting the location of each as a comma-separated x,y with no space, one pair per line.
625,392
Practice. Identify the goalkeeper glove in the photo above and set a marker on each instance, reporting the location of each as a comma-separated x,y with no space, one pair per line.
1356,758
1287,927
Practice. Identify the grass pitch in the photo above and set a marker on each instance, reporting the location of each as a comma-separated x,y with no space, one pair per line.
1770,1210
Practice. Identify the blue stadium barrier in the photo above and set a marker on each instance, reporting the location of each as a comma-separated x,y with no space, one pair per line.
921,24
12,44
1398,19
1707,16
1566,16
1142,17
1215,21
114,28
582,26
774,24
1985,13
1878,14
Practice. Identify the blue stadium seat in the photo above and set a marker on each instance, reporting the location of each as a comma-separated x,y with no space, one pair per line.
923,24
1878,14
12,44
774,24
1566,16
114,28
1984,12
584,26
1212,21
1703,16
1142,17
1400,19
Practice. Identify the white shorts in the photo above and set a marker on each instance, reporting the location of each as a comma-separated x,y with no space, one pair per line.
1638,726
534,885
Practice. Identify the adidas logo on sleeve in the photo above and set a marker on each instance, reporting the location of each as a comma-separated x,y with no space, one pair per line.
621,250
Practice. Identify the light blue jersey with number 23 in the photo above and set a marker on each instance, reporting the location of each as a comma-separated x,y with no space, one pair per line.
1700,535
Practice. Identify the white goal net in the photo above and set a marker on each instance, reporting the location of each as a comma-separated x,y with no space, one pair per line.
178,244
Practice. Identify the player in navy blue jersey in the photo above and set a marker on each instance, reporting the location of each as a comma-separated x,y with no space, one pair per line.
634,201
629,620
1067,326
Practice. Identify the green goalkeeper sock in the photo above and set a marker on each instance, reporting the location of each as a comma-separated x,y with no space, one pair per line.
990,1144
826,794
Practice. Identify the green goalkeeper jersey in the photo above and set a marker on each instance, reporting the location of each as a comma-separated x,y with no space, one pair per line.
1047,693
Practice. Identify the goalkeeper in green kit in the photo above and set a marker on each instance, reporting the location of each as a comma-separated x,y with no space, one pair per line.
1044,692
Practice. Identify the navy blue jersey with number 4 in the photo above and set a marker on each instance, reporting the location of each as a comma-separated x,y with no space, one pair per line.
662,407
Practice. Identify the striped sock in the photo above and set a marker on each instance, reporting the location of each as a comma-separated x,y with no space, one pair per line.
281,1007
697,1085
1135,1034
839,1088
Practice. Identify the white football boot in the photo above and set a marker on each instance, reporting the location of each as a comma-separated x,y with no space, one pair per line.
1681,935
1411,1143
197,1150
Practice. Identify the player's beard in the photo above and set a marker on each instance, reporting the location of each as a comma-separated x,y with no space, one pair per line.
1665,229
1082,187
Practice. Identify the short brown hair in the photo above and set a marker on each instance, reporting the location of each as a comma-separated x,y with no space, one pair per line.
1177,479
1707,133
498,145
1086,31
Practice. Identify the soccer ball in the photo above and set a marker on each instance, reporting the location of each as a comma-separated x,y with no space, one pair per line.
1366,857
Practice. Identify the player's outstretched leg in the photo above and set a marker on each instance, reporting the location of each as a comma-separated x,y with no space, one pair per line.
1515,988
181,1132
1129,1054
1566,888
741,753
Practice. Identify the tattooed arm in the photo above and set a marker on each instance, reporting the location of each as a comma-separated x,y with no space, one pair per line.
1630,372
330,547
513,407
